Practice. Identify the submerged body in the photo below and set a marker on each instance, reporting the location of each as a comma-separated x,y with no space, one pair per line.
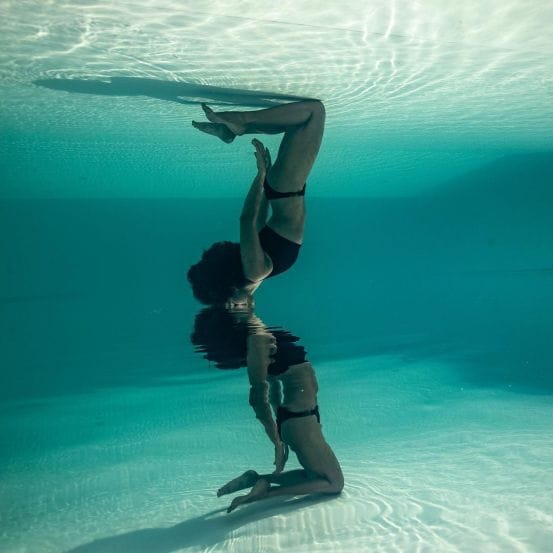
292,393
301,429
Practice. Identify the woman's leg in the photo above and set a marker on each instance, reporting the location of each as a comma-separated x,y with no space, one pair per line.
275,119
294,482
291,478
321,472
302,124
226,125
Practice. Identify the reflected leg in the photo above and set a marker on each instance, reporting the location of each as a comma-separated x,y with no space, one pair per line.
246,480
294,482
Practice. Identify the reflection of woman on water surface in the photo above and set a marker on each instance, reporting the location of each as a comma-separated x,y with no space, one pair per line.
283,381
229,273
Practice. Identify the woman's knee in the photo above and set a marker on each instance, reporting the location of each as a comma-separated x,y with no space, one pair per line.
336,484
317,109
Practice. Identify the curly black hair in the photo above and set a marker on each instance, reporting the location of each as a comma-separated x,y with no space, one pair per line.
217,273
221,338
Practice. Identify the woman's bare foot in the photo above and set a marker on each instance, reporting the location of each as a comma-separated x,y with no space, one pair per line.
227,118
259,491
216,129
246,480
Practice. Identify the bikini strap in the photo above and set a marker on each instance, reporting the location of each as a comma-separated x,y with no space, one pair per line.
273,194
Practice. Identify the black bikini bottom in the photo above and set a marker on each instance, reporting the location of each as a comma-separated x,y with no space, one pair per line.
283,252
283,414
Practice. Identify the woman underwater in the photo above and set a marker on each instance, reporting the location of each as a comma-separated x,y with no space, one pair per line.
283,395
229,273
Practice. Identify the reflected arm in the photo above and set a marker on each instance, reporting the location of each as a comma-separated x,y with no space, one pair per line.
261,392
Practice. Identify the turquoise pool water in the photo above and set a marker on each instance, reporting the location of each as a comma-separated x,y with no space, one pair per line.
423,293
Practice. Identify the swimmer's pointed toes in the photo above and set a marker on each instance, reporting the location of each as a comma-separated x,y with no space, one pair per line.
209,113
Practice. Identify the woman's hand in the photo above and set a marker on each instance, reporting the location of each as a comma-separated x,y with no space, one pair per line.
281,456
263,158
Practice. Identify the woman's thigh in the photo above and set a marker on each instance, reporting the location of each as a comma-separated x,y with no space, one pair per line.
305,438
297,153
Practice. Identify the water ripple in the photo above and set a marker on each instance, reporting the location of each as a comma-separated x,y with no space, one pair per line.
402,60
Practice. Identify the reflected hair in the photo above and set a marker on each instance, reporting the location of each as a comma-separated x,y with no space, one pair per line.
217,273
220,338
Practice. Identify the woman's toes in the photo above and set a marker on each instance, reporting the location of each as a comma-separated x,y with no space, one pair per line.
209,113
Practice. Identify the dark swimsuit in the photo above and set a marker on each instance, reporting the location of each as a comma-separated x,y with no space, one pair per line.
283,252
273,194
288,352
283,414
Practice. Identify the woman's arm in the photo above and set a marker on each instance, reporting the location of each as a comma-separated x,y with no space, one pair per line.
263,212
260,348
264,394
257,264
